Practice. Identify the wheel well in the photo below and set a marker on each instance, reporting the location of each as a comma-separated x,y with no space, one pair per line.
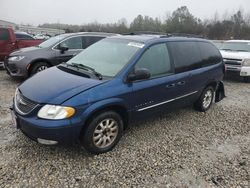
118,109
213,84
37,61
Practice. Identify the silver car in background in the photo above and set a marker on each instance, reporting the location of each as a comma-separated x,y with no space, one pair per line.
28,61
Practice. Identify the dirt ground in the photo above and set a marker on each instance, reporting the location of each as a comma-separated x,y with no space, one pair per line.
183,148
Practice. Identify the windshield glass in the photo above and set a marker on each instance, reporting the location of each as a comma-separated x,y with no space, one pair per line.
236,46
51,41
107,56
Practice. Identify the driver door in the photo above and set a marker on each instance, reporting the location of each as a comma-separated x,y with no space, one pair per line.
74,45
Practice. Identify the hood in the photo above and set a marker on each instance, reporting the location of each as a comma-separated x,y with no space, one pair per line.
54,86
23,51
235,54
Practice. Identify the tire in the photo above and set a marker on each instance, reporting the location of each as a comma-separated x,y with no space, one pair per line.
38,67
206,99
101,127
247,79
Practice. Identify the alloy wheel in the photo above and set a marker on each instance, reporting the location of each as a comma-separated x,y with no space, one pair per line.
105,133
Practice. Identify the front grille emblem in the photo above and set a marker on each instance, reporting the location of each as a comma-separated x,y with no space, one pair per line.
22,102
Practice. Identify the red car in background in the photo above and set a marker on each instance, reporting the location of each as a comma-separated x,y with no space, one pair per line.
10,41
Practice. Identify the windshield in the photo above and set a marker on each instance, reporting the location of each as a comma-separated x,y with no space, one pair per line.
107,56
51,41
236,46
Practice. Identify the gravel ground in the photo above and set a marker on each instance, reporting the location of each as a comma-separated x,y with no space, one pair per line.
184,148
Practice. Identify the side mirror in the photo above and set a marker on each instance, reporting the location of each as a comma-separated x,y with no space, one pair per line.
63,49
139,74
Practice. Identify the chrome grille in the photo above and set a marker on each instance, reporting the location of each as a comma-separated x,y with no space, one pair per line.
236,62
22,104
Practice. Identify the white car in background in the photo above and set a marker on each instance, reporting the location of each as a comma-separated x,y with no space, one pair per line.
41,36
236,55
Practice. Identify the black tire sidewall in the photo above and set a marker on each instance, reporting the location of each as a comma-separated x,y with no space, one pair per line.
199,104
87,133
36,66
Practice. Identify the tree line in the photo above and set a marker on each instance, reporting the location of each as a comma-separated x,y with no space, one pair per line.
235,26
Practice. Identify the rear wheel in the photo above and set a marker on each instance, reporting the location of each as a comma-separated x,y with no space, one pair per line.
38,67
206,99
102,133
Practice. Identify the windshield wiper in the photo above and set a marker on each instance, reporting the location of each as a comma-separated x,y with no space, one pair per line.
87,68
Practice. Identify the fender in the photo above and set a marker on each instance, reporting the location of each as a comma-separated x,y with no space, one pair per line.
103,104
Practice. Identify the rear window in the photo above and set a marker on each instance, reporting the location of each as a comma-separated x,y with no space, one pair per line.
186,55
210,54
23,36
4,34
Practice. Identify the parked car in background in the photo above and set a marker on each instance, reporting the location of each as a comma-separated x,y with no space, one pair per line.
10,41
218,43
94,96
58,49
236,55
42,36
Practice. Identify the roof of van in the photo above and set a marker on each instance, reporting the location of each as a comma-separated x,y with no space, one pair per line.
144,38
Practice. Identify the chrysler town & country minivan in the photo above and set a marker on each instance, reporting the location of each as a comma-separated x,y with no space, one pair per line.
94,96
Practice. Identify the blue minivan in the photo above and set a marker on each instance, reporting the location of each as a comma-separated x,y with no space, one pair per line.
94,96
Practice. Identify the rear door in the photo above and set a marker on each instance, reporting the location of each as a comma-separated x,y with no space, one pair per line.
187,61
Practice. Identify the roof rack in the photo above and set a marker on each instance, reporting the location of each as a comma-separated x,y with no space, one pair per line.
145,33
164,35
182,35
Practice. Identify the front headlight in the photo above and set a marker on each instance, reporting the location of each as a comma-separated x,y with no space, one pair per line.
55,112
16,58
246,63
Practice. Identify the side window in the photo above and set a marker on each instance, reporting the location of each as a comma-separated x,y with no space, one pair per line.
4,34
210,54
72,43
23,36
156,59
88,40
186,55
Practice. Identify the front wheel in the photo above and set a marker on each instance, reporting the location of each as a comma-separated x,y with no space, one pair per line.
38,67
102,133
206,99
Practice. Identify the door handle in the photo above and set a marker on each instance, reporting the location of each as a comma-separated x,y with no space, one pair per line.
181,83
170,85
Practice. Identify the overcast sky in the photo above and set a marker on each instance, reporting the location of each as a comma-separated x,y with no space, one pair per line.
84,11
